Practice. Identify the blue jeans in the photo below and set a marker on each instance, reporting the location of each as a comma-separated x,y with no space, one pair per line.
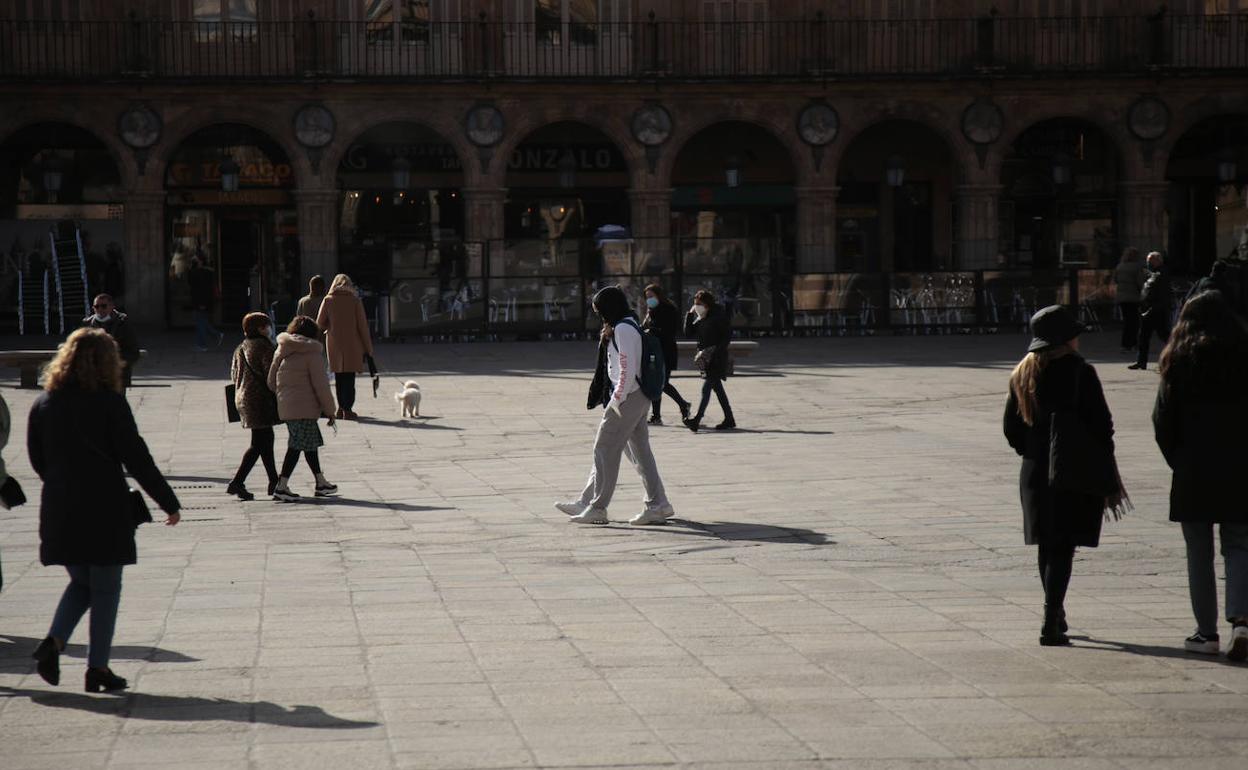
714,385
97,587
1202,584
203,328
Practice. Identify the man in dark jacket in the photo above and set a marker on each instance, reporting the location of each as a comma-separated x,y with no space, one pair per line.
1156,304
203,295
117,324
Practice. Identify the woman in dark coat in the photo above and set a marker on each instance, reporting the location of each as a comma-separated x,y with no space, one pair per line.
1200,422
709,325
82,441
663,321
256,404
1044,382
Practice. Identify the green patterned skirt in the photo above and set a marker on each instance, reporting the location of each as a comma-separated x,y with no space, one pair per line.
305,435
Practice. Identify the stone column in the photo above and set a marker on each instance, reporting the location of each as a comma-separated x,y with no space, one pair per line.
816,229
978,226
146,263
318,232
652,228
1141,216
483,213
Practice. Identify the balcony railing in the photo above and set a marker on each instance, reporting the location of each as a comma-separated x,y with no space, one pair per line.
813,49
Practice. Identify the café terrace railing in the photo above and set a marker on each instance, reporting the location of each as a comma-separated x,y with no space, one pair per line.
654,49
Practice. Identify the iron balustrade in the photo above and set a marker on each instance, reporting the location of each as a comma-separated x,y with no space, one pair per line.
652,49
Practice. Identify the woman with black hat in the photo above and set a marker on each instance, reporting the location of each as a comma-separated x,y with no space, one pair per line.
1053,377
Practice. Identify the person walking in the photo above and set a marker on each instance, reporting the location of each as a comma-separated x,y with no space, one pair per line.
83,441
117,324
1053,377
1156,305
203,297
663,321
297,376
1200,419
707,322
256,403
11,494
310,303
347,341
1129,278
623,426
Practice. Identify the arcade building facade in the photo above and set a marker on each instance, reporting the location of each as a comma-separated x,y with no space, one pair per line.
822,170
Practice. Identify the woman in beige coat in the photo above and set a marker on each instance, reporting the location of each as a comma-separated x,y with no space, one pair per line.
347,340
298,378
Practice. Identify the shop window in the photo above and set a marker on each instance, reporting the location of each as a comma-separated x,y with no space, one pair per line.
574,21
401,21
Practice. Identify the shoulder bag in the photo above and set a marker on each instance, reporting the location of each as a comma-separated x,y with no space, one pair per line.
231,393
1079,461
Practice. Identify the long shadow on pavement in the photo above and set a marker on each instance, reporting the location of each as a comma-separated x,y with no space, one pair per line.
177,708
737,531
20,647
332,501
401,423
1151,650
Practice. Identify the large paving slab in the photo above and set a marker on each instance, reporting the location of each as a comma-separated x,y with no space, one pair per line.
845,584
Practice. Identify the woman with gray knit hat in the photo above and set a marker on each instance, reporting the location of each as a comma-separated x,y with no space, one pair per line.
623,427
1054,378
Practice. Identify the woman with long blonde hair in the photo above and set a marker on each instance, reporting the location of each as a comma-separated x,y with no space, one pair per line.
1054,377
82,441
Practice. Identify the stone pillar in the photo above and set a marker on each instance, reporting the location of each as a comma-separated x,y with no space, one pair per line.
318,232
652,229
816,229
978,226
146,264
1141,216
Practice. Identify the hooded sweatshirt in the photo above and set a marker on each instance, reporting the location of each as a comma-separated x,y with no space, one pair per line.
298,378
624,353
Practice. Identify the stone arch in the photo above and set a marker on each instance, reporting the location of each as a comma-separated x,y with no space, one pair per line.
924,115
687,130
122,159
590,115
179,131
1194,113
349,131
1131,164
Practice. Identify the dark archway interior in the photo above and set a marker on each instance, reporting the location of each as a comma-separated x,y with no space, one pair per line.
1059,205
1208,215
902,227
197,161
88,172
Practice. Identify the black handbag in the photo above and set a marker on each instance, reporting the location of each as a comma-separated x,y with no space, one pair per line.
11,493
231,393
139,513
1079,461
231,408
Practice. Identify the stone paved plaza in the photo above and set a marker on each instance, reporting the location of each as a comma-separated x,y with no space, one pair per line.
845,584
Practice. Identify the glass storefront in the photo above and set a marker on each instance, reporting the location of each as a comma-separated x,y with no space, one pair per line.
247,236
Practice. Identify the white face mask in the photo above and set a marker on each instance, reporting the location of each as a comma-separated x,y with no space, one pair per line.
700,310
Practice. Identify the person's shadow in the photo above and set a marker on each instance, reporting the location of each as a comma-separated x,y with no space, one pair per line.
177,708
1151,650
736,531
20,647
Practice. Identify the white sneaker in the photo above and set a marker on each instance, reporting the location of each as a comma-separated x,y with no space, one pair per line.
572,509
666,510
650,516
1238,651
1201,644
591,516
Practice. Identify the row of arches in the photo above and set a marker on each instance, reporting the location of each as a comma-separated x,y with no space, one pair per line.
568,186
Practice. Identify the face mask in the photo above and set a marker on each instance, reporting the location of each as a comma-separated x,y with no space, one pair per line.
700,310
102,318
652,302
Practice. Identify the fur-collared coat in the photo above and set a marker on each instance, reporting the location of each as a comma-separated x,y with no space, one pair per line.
297,376
249,371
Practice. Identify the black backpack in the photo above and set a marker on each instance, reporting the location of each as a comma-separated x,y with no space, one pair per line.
652,374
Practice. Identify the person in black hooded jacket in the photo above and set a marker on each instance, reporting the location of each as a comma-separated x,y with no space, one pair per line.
709,324
663,321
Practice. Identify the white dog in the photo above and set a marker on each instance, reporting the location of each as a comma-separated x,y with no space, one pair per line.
409,399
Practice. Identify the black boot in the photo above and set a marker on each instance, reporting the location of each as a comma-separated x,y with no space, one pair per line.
48,655
1051,634
103,679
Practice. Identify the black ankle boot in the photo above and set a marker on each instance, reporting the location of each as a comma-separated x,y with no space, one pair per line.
1051,633
48,656
104,679
237,489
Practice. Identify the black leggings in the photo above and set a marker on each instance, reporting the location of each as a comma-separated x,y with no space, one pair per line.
1056,563
292,459
344,383
671,391
261,449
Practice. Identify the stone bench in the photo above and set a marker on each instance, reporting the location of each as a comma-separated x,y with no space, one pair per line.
30,362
